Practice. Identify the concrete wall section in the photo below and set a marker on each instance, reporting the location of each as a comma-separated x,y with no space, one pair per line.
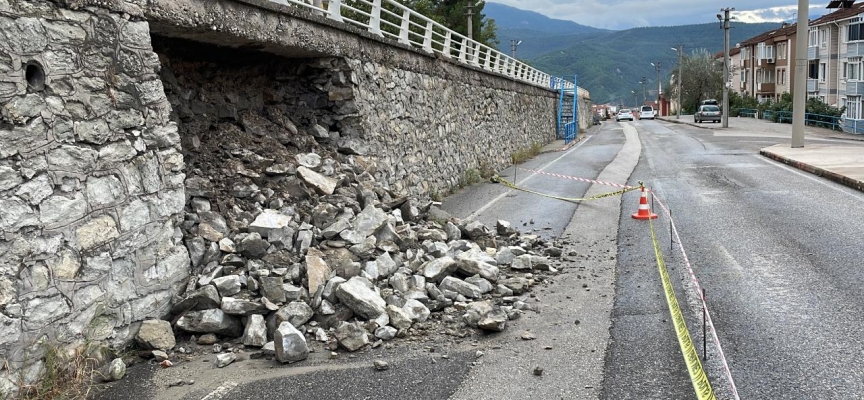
91,182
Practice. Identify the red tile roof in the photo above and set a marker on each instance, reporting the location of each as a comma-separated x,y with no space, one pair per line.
842,13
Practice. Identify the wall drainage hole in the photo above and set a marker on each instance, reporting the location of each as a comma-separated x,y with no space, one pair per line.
35,76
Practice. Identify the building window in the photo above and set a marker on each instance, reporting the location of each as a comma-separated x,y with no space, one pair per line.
781,51
814,35
853,107
812,70
852,71
821,72
781,73
855,32
823,37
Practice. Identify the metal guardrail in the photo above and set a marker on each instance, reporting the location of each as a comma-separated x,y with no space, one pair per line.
747,112
389,19
820,120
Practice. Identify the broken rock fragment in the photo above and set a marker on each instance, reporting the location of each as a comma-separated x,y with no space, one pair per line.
290,345
358,295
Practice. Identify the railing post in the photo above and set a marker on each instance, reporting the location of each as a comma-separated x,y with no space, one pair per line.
447,44
405,28
375,18
463,51
475,55
334,10
427,38
486,65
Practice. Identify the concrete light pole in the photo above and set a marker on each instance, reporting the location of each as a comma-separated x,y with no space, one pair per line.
799,93
635,97
659,85
513,44
725,20
470,14
680,51
644,93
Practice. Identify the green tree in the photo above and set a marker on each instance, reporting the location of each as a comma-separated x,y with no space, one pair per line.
453,14
702,79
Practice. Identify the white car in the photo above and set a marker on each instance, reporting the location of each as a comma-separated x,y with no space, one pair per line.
624,114
647,112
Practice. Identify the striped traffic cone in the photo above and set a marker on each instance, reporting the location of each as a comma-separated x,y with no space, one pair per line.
644,212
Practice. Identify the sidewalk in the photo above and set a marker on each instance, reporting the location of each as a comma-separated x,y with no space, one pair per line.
842,162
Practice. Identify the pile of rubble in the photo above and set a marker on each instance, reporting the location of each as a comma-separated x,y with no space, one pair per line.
296,250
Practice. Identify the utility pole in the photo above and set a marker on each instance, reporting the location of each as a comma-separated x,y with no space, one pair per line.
659,85
799,93
680,51
725,20
635,97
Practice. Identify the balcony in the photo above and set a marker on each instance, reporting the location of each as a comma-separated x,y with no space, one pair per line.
812,85
747,64
854,49
766,87
813,53
855,88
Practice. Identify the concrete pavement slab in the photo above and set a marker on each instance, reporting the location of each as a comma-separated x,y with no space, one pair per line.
842,164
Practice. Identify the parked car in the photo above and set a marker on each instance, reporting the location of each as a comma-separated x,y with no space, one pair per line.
647,112
624,114
708,113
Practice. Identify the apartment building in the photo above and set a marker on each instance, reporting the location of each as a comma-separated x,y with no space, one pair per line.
835,67
766,64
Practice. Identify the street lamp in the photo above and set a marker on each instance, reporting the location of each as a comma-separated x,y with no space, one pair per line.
680,51
513,44
659,84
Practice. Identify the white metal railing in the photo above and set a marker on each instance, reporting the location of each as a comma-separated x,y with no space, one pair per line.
387,18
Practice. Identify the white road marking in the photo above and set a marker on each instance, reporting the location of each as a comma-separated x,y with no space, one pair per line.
503,195
220,391
833,185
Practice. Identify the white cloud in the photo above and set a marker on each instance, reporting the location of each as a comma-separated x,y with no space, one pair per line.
625,14
773,14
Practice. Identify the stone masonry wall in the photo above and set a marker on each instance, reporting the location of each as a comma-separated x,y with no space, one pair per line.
91,183
429,126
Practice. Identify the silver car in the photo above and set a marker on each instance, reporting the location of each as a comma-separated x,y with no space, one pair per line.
707,113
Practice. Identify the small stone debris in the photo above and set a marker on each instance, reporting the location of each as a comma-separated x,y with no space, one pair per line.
538,371
181,382
527,336
381,365
223,359
166,364
116,370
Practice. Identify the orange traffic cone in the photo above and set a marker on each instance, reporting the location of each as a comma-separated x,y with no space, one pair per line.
644,212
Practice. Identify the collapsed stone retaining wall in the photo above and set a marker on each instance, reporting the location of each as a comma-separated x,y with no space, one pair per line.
92,169
91,183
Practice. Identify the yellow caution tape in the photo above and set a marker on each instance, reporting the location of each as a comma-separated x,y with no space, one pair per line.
568,199
691,357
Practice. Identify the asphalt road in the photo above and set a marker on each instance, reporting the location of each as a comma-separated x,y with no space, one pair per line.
778,252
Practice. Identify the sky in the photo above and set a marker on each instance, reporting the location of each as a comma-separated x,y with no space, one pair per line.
625,14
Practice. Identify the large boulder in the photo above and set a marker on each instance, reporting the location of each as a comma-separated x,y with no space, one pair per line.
320,183
473,263
156,334
255,333
204,298
290,344
234,306
459,286
269,221
357,294
210,321
438,268
351,336
369,220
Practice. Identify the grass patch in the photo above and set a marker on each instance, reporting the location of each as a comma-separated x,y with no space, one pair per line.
66,375
522,155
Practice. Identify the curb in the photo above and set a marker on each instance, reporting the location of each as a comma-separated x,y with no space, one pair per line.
821,172
678,121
